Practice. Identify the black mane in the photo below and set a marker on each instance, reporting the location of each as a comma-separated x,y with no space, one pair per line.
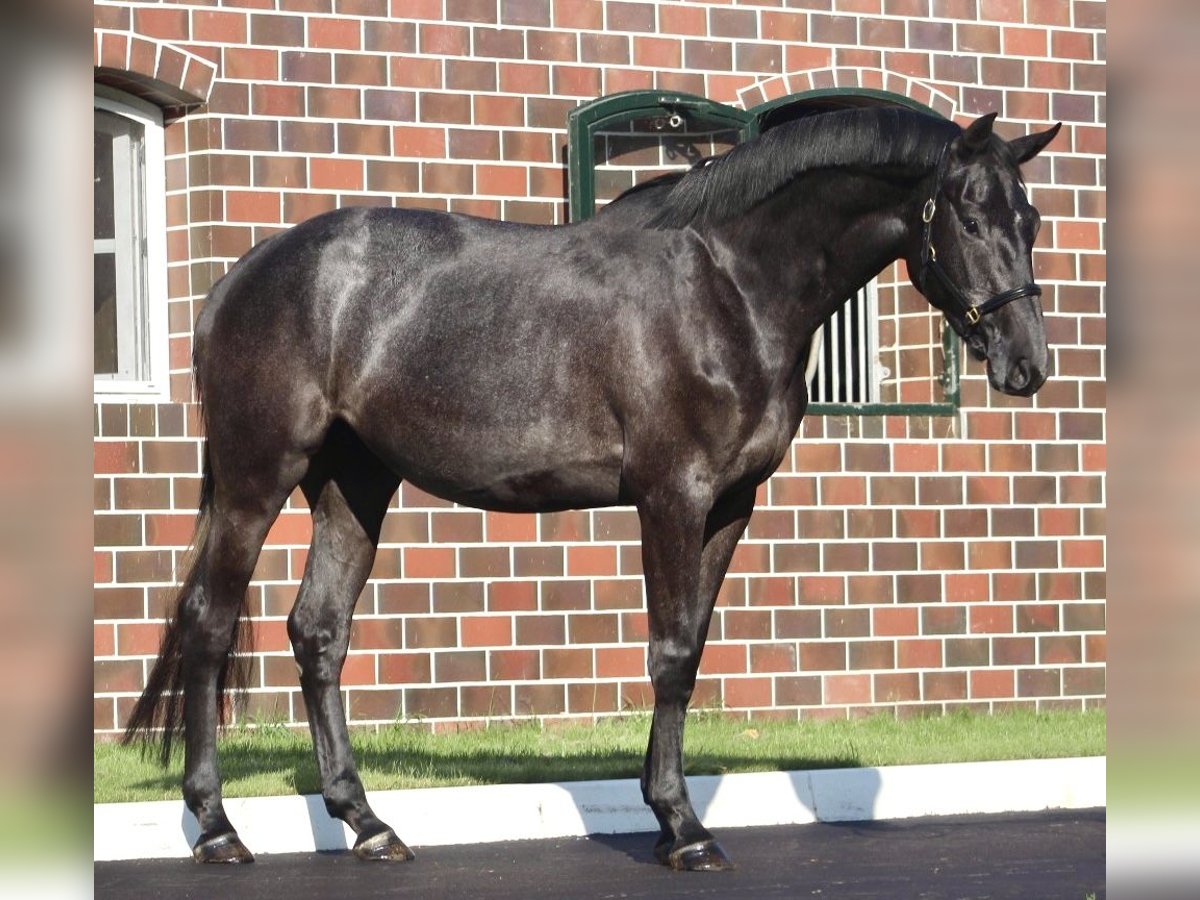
732,184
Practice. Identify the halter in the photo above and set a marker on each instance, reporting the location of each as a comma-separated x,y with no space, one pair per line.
967,313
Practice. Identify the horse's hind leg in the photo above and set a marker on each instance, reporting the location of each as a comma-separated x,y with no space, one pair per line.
349,490
207,621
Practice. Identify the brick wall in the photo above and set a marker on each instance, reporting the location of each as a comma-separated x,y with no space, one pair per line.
895,563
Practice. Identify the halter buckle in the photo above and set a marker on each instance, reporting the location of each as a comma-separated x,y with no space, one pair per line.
973,315
930,209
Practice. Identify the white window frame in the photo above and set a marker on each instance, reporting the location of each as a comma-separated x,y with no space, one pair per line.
149,328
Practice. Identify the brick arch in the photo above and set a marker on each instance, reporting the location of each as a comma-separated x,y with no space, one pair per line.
848,77
156,71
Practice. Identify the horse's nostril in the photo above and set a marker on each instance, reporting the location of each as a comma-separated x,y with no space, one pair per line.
1018,375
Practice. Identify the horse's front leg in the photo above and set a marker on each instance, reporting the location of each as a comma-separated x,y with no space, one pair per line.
685,553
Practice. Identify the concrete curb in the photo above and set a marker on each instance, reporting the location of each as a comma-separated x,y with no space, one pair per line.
481,814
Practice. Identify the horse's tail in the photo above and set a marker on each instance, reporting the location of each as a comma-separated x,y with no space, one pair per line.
160,708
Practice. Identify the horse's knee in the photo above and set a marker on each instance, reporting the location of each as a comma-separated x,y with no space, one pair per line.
319,649
672,667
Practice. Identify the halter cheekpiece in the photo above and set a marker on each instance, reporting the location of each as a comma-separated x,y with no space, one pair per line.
968,313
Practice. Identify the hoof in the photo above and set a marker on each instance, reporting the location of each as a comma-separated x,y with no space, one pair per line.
702,856
383,846
224,848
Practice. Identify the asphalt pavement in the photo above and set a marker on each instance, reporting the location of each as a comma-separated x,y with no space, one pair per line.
1051,855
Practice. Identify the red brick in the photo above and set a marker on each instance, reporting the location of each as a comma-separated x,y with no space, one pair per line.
418,141
567,663
335,34
798,691
364,140
921,653
251,64
626,662
504,181
587,14
843,490
943,686
377,634
428,562
431,703
291,528
617,594
514,665
551,45
915,458
576,81
992,684
742,693
822,656
218,27
170,530
114,675
444,40
991,619
894,621
486,631
786,26
413,72
164,24
844,689
539,699
484,562
600,628
872,655
897,687
336,174
961,588
549,629
772,657
565,595
458,666
612,49
512,596
359,669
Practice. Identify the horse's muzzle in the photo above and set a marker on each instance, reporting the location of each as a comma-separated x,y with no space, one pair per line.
1023,378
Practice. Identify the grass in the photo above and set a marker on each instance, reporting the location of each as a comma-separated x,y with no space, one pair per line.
272,759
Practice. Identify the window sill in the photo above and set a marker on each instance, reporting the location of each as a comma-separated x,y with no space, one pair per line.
105,391
881,409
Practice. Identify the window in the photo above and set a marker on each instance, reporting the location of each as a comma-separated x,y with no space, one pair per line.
886,351
128,248
843,360
634,134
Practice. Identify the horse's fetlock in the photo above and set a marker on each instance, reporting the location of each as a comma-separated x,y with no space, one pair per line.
343,794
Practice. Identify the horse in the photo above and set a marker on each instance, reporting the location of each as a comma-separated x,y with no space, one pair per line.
651,356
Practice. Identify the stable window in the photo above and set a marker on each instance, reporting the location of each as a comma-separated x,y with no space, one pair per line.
885,351
128,248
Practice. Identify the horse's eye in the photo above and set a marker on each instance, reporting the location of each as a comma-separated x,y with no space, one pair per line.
971,226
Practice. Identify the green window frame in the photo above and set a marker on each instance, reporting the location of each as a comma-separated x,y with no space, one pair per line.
585,121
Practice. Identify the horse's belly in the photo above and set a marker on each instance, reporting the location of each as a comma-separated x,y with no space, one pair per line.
566,484
503,466
547,490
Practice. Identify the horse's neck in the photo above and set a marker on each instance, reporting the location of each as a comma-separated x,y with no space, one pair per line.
800,255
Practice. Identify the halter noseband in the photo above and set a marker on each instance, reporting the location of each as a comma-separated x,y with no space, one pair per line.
967,312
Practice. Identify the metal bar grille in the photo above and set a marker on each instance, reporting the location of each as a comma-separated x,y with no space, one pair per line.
846,368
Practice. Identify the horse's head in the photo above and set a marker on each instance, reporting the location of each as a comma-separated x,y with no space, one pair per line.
975,257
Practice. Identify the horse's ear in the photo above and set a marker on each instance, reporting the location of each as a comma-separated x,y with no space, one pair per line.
1026,148
975,136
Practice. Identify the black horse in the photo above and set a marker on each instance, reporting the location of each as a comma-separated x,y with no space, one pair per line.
647,359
